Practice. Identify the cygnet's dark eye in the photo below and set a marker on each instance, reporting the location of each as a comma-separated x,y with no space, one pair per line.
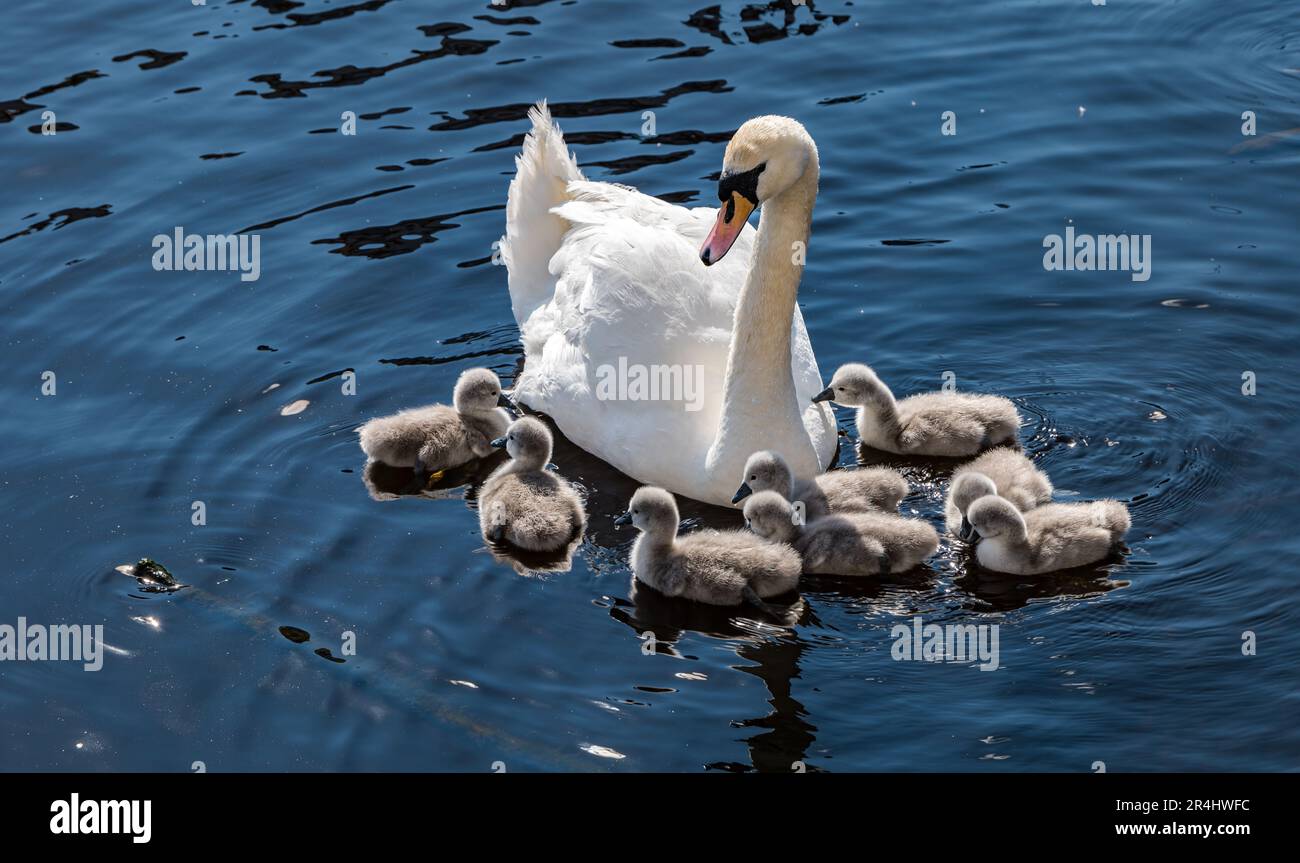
754,478
841,389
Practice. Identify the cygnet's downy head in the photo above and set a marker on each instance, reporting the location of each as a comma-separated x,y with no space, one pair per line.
478,391
651,510
766,156
992,517
854,384
528,441
966,489
770,516
765,471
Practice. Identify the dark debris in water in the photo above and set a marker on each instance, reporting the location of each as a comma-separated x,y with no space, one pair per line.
324,653
151,575
842,100
296,635
60,126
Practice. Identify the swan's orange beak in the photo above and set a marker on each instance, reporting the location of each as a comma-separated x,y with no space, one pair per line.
731,220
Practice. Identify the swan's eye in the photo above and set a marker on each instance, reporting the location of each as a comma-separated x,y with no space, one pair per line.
840,389
754,478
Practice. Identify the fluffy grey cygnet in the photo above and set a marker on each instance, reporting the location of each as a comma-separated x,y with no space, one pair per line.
937,424
1003,471
862,490
438,437
1047,538
522,502
851,543
719,567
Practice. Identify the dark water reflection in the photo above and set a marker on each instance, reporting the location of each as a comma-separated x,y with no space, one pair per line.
378,259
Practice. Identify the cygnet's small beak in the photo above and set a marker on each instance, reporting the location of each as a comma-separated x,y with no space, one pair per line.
825,395
550,465
503,401
499,443
967,530
743,492
625,518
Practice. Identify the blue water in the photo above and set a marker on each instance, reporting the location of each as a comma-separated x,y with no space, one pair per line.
376,257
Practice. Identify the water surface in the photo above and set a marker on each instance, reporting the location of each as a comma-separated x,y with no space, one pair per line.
377,258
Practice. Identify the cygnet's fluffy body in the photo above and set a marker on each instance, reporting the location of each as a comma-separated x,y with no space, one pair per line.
1003,471
851,543
862,490
930,424
712,566
523,503
1047,538
439,437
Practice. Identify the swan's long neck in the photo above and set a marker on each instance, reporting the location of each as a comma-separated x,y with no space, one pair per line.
760,343
759,406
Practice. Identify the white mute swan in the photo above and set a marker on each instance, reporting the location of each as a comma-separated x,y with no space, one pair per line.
606,282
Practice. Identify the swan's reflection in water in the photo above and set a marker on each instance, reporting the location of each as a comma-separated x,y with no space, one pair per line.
771,647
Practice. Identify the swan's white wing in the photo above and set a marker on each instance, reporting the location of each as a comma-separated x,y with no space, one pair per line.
631,291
